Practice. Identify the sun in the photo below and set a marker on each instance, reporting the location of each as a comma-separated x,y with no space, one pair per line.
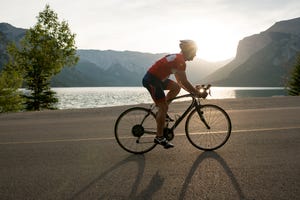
211,48
216,42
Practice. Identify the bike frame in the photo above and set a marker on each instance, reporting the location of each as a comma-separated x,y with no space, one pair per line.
195,112
195,103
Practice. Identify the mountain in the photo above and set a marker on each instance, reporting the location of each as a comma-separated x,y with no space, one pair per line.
121,68
8,34
106,68
263,59
127,68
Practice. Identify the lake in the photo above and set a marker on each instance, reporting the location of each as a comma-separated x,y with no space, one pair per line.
93,97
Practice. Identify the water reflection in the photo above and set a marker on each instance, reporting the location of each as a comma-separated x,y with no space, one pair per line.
115,96
243,92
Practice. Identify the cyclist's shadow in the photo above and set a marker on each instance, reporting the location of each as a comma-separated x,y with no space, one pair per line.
156,181
201,158
154,185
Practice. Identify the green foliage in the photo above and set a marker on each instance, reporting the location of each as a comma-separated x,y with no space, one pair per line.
10,97
44,51
46,99
294,83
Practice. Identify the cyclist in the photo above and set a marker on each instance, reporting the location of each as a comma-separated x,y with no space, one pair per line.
156,80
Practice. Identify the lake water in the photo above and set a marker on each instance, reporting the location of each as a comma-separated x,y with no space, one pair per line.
93,97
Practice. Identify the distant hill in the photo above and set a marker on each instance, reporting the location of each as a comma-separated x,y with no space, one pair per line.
121,68
106,68
8,34
263,59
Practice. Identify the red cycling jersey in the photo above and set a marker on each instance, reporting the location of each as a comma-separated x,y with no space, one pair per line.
168,65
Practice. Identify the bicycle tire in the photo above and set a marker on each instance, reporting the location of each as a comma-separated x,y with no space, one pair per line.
216,135
135,131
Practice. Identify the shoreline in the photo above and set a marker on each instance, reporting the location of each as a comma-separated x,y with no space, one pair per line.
226,104
92,97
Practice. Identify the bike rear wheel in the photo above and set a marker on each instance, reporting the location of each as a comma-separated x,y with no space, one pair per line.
208,127
135,130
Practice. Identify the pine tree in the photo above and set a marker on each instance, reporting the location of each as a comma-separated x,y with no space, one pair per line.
294,82
44,51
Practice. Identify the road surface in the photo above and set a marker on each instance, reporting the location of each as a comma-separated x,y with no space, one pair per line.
72,154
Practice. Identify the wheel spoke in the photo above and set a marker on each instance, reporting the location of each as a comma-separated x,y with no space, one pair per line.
132,126
208,139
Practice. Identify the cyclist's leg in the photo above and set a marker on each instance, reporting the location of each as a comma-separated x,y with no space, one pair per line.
160,121
156,90
161,116
173,88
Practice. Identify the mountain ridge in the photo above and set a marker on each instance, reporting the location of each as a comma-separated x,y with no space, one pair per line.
263,59
105,67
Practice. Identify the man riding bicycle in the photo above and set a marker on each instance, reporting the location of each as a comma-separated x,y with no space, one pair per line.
156,80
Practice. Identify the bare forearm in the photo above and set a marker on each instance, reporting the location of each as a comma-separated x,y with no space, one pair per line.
186,85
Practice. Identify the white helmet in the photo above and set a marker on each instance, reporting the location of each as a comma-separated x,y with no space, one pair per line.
188,45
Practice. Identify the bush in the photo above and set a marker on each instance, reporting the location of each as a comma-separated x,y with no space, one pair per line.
294,82
10,96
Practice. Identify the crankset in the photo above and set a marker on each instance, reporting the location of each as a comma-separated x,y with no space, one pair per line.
168,134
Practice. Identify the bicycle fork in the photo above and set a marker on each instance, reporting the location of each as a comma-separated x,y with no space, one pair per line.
200,113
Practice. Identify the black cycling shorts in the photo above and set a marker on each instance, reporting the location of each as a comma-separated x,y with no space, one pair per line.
156,87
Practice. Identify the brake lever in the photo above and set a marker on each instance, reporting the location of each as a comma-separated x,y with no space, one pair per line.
208,89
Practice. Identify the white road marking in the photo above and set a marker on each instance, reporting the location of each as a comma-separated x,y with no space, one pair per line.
265,129
54,141
113,138
264,109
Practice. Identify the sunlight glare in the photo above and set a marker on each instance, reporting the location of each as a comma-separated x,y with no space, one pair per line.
215,48
216,42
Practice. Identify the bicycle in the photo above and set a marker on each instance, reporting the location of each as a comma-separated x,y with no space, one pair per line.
207,127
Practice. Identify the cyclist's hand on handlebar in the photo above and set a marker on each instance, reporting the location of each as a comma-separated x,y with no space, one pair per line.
200,93
204,87
203,91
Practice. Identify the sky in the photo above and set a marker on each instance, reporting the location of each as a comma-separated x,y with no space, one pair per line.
156,26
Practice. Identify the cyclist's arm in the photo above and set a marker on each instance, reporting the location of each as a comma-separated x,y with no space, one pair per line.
184,83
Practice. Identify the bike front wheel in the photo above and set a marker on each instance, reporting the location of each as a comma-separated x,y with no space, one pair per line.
208,127
135,130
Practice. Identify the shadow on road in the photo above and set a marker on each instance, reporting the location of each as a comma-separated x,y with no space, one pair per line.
201,158
97,191
154,185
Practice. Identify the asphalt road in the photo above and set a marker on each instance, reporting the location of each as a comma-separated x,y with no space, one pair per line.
73,155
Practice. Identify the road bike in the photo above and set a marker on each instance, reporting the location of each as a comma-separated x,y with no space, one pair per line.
207,126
